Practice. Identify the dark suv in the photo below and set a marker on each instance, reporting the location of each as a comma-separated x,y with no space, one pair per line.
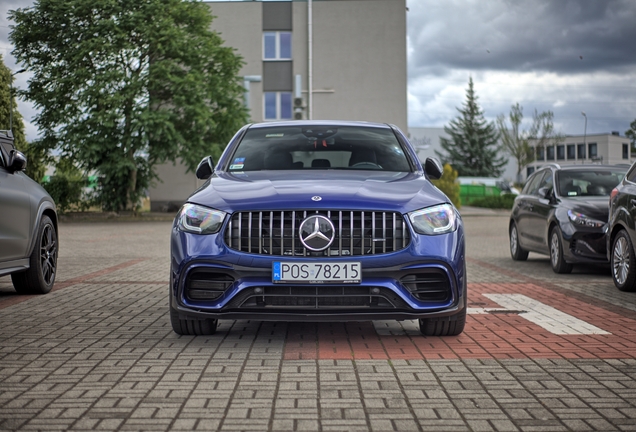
621,235
562,212
28,225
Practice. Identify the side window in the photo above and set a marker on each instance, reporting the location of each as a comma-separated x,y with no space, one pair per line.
546,181
533,183
631,175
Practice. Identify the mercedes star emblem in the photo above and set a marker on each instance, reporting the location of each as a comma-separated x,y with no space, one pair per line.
316,233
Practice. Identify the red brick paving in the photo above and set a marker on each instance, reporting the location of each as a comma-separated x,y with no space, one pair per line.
494,336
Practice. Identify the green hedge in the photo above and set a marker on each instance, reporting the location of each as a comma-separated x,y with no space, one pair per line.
495,202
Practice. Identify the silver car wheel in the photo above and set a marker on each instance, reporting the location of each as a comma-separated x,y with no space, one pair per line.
620,260
554,249
514,241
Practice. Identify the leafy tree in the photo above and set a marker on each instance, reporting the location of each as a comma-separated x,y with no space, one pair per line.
473,146
449,185
122,86
516,142
631,134
36,156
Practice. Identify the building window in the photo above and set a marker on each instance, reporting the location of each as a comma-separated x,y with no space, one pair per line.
571,152
560,152
580,149
625,151
278,105
540,153
592,150
277,45
529,171
549,153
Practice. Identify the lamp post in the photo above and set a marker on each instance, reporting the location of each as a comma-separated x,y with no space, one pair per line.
585,131
11,99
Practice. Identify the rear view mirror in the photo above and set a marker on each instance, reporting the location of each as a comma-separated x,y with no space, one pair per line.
17,161
433,168
205,168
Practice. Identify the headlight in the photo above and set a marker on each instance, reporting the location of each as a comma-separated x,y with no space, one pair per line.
439,219
581,219
199,220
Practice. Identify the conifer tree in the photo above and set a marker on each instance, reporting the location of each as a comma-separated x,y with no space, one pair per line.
473,148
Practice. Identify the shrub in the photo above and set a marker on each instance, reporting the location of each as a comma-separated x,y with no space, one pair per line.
67,187
448,184
495,201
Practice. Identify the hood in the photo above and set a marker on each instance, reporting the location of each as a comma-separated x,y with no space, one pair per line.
596,207
319,189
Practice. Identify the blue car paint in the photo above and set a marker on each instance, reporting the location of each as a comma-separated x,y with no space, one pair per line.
339,190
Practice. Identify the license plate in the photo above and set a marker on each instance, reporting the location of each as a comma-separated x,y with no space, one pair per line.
316,272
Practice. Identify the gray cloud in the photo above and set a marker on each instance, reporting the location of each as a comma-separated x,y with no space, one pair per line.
573,36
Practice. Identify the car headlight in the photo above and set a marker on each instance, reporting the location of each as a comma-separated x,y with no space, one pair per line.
439,219
196,219
581,219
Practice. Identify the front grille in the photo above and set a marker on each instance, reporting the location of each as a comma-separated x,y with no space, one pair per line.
356,233
206,285
431,285
317,297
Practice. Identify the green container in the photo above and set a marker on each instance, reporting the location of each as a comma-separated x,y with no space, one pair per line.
471,192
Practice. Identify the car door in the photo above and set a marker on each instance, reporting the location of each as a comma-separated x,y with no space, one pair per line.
541,210
15,215
524,211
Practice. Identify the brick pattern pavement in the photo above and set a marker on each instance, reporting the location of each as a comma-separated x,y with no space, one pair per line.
98,354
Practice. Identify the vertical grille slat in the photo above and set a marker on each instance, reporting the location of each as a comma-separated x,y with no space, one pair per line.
356,233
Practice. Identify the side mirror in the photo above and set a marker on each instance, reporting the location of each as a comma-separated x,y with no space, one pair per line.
545,192
17,161
205,168
433,168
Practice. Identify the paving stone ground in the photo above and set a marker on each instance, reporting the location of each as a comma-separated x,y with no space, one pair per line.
98,352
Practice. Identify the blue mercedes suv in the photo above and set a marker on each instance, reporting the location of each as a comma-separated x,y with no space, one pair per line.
318,221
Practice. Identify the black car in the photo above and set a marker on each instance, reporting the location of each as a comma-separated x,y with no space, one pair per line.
28,225
563,212
621,235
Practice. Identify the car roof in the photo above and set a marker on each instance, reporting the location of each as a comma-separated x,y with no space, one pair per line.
320,123
556,167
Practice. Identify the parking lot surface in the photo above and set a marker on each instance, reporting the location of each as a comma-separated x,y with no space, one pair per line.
540,352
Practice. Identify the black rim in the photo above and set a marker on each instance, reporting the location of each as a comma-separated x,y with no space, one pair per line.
48,254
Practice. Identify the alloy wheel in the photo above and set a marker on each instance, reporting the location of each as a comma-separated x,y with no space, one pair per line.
514,241
554,249
620,261
48,254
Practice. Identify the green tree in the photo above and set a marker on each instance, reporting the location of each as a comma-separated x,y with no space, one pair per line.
631,134
473,147
449,185
516,141
122,86
36,156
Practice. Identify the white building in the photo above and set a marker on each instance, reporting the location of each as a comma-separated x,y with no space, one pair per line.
605,149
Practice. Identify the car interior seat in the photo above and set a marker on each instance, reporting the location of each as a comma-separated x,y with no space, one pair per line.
320,163
362,155
279,161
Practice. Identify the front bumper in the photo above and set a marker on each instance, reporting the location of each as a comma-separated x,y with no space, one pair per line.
425,280
584,244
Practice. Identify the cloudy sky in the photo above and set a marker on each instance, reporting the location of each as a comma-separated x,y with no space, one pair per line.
567,56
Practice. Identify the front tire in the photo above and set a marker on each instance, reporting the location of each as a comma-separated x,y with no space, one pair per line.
623,262
40,276
192,327
447,326
516,252
556,253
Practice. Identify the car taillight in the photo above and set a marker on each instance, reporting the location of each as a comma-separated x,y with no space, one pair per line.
613,193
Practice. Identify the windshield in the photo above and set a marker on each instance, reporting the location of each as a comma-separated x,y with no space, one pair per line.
588,182
319,148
